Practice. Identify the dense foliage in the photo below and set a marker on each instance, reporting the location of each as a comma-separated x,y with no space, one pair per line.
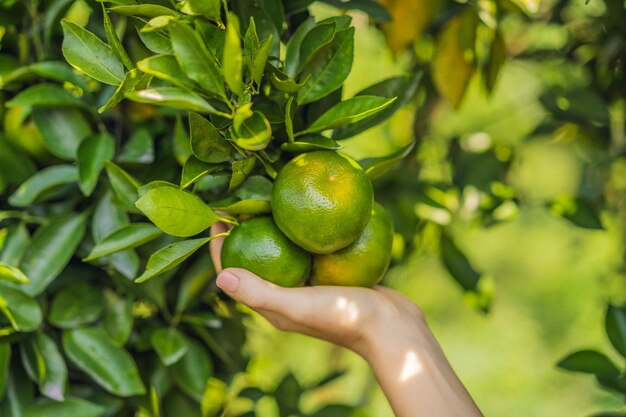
127,124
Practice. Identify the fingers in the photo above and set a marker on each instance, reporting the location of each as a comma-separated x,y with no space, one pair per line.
215,246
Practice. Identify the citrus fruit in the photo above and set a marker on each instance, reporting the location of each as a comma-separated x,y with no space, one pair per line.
22,131
322,201
364,262
259,246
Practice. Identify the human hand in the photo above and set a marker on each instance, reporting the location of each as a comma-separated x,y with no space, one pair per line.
352,317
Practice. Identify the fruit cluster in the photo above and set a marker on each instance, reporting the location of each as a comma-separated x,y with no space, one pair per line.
326,227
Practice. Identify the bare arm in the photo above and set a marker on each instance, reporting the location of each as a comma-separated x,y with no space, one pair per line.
385,328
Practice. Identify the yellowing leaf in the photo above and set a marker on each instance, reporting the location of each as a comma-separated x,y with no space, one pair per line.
454,62
409,18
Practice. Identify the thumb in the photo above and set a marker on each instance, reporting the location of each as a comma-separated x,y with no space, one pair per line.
252,290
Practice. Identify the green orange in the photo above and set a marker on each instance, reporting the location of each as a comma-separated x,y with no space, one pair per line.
259,246
364,262
322,201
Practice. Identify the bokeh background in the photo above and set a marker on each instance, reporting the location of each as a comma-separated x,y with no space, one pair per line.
551,280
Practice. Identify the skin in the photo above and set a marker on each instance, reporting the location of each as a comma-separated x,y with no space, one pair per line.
408,362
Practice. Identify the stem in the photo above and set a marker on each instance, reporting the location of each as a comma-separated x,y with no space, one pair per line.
36,31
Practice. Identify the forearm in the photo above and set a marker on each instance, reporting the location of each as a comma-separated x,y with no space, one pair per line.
414,373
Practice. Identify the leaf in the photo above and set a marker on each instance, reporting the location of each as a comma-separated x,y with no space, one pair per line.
170,256
85,52
255,187
580,211
334,410
15,165
139,148
292,52
172,97
15,244
76,305
108,365
497,58
402,87
409,19
349,111
157,41
377,166
169,344
194,170
453,64
241,169
194,281
319,36
374,10
254,133
165,67
18,393
256,52
181,145
5,361
51,249
249,207
114,41
126,237
62,130
131,79
44,181
71,407
615,324
590,362
214,397
329,68
206,8
194,370
176,212
207,143
269,18
10,273
92,154
45,95
124,185
194,58
22,311
232,61
52,70
310,142
118,317
53,378
146,10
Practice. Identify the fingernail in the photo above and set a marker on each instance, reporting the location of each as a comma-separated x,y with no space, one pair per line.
228,282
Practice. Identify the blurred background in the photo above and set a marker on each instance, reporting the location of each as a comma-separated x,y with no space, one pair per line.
549,279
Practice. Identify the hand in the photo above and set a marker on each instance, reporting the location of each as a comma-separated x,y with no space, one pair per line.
348,316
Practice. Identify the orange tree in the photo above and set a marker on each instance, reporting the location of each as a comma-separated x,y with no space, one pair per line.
128,124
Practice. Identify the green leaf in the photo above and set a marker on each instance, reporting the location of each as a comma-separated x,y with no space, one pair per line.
181,145
254,133
194,281
269,18
106,217
22,311
131,79
403,87
52,70
15,244
92,154
18,393
114,41
170,256
377,166
139,149
85,52
241,170
309,143
76,305
177,212
10,273
126,237
590,362
49,369
232,60
318,37
194,58
194,169
292,52
45,95
615,324
169,344
118,317
51,249
62,130
207,143
110,366
43,182
145,10
249,207
349,111
329,68
124,185
194,370
285,84
71,407
256,53
206,8
157,41
255,187
5,361
173,97
165,67
15,165
334,410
